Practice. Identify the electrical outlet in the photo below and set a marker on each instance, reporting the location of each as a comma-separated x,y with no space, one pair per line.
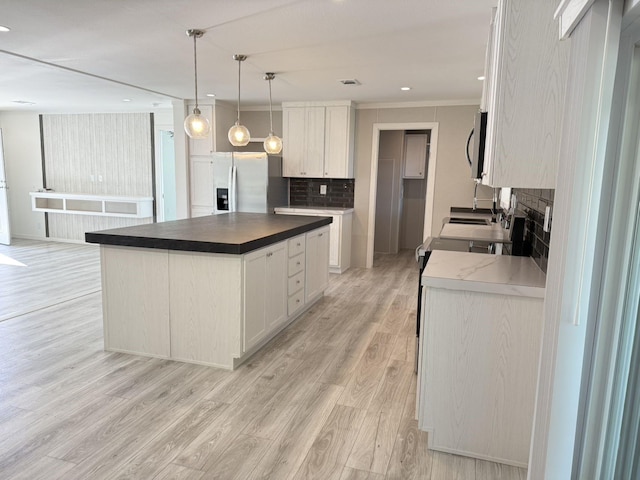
323,189
99,178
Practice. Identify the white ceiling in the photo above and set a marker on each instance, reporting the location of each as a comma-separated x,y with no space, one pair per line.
88,55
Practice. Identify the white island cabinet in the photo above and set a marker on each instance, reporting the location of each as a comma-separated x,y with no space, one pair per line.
478,354
339,232
208,290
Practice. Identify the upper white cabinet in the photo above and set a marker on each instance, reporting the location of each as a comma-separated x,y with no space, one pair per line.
525,73
318,139
415,155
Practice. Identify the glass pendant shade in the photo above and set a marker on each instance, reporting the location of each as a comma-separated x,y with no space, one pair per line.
196,125
239,135
273,144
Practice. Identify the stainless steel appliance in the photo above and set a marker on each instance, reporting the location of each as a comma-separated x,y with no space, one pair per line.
479,135
248,182
423,252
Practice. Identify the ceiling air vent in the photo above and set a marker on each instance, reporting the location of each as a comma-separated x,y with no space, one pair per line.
349,81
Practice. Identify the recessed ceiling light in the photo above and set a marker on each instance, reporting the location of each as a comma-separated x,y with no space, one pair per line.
126,99
349,81
211,94
4,29
481,77
405,89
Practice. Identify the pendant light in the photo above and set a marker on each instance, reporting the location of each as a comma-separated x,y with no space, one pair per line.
239,134
196,125
273,143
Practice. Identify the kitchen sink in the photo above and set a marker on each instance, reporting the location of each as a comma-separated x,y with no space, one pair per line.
470,221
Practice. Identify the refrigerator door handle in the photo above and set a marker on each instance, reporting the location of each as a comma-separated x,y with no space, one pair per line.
232,188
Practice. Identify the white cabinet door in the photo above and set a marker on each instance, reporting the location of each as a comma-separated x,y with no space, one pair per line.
276,283
265,292
335,234
201,183
415,155
255,294
525,97
339,142
293,150
317,263
313,165
203,146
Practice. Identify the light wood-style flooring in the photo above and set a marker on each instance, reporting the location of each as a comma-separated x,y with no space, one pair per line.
332,397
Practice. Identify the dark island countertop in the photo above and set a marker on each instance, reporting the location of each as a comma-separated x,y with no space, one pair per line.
234,233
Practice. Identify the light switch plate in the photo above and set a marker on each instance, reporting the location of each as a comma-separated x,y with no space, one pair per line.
547,219
323,189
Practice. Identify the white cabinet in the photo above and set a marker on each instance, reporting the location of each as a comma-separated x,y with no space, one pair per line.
265,287
340,231
203,146
317,264
415,155
339,141
296,274
201,186
318,139
524,96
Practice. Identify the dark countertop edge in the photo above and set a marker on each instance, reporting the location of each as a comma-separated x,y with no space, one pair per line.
199,246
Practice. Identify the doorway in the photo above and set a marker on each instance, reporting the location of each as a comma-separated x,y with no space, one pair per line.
165,176
386,176
5,227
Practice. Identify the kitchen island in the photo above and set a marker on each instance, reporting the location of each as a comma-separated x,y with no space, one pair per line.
210,290
479,351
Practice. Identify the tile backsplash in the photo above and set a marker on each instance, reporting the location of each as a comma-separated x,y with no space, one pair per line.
531,203
306,192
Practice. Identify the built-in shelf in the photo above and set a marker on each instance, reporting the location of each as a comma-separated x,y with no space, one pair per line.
84,204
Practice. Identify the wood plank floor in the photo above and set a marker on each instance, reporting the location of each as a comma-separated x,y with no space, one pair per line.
332,397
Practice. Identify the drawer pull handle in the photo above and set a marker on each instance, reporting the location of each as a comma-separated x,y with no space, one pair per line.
297,263
298,300
297,282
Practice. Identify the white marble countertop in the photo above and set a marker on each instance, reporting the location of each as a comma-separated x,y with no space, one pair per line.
478,272
315,210
485,233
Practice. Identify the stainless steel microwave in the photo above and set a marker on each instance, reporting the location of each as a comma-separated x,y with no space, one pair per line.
479,137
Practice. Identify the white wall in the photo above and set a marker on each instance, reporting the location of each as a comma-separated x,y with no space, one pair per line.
23,163
453,184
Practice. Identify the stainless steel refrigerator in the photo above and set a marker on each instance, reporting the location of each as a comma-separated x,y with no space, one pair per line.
248,182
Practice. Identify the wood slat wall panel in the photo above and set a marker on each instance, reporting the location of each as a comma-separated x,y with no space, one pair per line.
116,146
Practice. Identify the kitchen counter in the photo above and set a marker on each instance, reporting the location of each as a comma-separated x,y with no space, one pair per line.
483,233
340,232
209,290
482,321
477,272
302,210
234,233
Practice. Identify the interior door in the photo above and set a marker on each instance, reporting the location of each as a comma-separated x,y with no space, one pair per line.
5,230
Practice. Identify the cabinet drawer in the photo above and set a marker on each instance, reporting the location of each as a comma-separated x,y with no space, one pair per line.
296,264
296,245
296,283
296,302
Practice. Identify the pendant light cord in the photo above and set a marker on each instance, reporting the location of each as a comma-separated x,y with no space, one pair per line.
239,63
195,68
270,109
